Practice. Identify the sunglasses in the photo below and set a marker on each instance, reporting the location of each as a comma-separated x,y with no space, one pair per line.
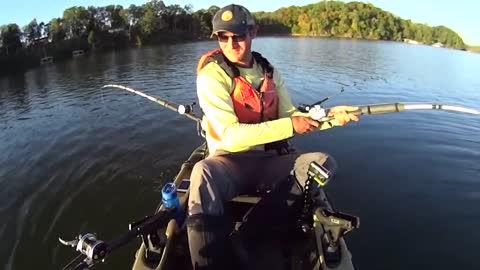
235,38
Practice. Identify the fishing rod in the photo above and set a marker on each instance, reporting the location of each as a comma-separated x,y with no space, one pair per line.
186,110
320,114
398,107
315,110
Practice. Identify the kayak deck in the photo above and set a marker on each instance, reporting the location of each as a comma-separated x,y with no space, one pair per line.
264,232
266,243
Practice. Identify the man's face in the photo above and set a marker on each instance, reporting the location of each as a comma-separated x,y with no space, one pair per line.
237,48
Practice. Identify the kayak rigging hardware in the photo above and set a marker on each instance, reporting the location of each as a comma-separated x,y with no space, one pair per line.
330,226
93,250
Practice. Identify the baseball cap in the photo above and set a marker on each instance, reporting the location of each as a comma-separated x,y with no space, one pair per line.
232,18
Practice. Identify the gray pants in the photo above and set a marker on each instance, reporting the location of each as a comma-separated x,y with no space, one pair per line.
220,178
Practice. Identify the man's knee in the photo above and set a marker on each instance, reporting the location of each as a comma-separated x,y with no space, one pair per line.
199,169
203,193
208,187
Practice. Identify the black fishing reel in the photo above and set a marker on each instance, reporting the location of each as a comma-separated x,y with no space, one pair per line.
185,109
94,250
189,109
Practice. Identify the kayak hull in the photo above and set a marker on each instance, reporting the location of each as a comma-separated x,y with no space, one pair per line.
270,236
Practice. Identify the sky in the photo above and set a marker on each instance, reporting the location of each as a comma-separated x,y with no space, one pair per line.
460,16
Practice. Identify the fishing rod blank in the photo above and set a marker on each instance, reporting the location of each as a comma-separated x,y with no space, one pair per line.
320,114
315,110
398,107
186,110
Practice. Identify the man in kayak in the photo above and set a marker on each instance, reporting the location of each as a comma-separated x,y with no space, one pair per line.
248,115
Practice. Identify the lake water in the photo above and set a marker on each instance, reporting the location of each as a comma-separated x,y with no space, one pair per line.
76,157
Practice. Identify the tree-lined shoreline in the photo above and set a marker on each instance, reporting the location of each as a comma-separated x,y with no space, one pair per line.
115,27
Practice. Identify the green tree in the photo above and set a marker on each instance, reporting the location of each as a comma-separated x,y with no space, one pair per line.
304,24
356,20
75,21
135,13
114,16
344,25
57,30
173,14
151,22
32,31
158,7
203,20
10,36
92,19
154,22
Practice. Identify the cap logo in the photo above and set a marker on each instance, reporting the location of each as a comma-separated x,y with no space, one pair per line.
227,16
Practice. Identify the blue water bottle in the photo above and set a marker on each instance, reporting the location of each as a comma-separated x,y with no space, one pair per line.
170,200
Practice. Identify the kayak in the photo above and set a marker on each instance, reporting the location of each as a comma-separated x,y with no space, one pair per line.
268,229
275,239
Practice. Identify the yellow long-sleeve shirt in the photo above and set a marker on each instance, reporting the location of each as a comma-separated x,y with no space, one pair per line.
214,88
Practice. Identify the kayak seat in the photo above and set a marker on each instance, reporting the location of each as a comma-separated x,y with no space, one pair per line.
251,199
252,196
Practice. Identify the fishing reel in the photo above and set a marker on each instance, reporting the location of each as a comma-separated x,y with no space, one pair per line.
315,110
95,250
317,113
188,109
183,109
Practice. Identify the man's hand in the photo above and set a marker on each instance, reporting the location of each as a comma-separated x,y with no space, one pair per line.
341,115
302,124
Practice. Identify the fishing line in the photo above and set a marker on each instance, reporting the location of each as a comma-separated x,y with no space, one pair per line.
342,89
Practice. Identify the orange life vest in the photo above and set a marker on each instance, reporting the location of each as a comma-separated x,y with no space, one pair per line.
250,105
